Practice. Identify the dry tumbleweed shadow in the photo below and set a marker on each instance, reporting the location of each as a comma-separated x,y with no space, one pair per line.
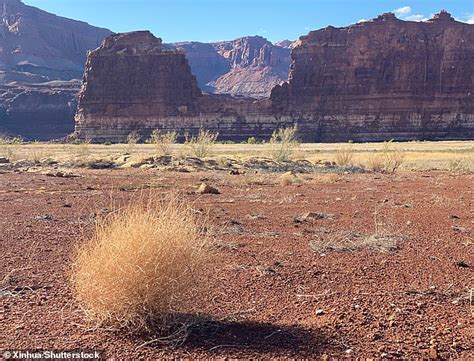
191,333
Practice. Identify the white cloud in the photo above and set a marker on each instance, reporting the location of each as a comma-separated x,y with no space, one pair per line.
404,13
405,10
470,19
415,18
362,20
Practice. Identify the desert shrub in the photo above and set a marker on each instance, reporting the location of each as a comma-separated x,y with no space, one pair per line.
141,264
132,139
82,149
376,163
163,141
290,178
201,144
344,156
394,158
282,144
8,146
251,140
389,160
458,165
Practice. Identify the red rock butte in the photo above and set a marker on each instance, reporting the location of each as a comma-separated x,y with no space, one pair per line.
373,81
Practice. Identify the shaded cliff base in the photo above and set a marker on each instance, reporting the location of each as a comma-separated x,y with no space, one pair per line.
38,111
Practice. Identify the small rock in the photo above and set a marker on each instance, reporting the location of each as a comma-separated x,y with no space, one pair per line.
102,165
164,160
310,216
319,312
207,189
462,264
60,174
4,160
461,229
44,217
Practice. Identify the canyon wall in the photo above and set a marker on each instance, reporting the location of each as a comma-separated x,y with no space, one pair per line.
249,67
38,111
40,55
36,46
377,80
384,79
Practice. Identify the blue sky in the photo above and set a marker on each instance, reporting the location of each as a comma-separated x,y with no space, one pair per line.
213,20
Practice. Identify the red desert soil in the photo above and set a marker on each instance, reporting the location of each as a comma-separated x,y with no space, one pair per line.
270,293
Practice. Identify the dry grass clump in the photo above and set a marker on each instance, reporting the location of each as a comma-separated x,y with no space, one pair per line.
290,178
282,144
388,161
132,139
385,238
8,147
460,165
163,141
141,263
344,156
348,241
201,144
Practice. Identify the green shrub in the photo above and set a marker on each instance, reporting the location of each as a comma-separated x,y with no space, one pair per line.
201,144
163,141
282,144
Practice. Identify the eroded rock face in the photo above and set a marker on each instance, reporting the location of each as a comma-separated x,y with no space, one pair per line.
249,66
379,80
36,46
40,55
134,76
38,111
384,79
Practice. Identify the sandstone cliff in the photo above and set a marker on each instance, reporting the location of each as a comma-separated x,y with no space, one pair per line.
249,66
378,80
384,79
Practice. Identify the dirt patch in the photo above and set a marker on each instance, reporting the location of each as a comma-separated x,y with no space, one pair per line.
270,295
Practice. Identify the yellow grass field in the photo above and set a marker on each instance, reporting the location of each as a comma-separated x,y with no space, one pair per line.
443,155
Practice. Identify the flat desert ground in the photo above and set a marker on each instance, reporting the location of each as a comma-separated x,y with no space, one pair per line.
382,266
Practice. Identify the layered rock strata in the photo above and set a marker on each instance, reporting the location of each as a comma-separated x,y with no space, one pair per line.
38,111
378,80
384,79
37,47
248,67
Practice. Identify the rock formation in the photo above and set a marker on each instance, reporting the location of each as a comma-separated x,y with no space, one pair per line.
384,79
206,63
36,46
249,66
36,50
378,80
38,111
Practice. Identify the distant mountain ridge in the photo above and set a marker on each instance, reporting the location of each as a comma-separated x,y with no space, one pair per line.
36,46
249,66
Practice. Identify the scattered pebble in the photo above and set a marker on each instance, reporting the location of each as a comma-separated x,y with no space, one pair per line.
207,189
